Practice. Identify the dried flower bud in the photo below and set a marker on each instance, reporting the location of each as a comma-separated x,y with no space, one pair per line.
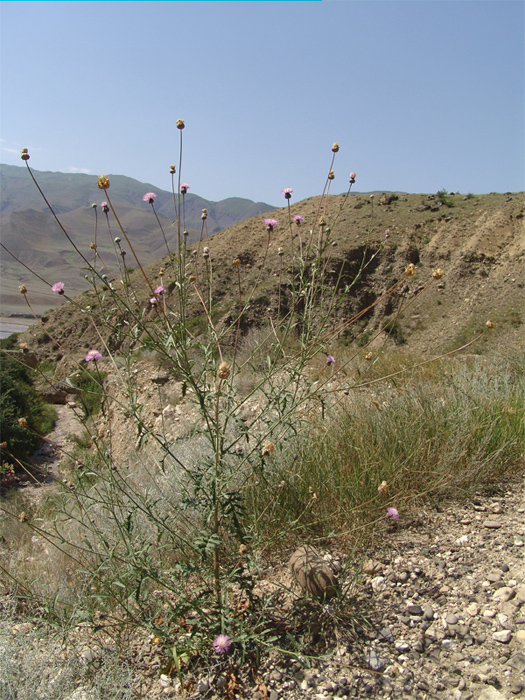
103,182
204,214
243,549
490,324
410,270
368,356
23,346
335,147
117,240
322,221
383,487
22,289
3,445
94,206
22,517
437,274
172,169
22,422
280,251
236,262
192,278
25,155
331,175
268,448
224,370
93,246
161,271
180,123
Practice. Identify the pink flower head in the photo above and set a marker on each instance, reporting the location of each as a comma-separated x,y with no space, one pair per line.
93,355
222,643
330,360
298,219
287,192
392,513
206,252
387,233
271,224
149,197
153,301
105,207
58,288
352,177
184,187
160,290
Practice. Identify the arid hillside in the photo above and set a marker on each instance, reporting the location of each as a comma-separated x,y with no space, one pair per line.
478,242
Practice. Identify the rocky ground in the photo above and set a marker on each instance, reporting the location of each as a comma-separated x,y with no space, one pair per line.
447,603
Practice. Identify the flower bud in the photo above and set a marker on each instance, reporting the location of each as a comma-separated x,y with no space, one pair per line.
352,178
331,175
93,246
410,270
236,262
22,422
268,448
335,147
172,169
180,123
437,274
22,289
25,155
490,324
204,214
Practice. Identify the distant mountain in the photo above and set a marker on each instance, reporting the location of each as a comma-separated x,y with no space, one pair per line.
30,232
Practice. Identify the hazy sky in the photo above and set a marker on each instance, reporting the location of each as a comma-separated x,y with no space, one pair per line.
421,95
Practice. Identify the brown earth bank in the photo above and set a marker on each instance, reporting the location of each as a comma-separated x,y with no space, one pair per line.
478,241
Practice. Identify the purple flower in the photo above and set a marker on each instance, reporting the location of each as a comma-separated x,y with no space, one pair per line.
222,643
271,224
153,301
58,288
160,290
149,197
330,360
298,219
392,513
352,177
287,192
93,355
184,187
105,207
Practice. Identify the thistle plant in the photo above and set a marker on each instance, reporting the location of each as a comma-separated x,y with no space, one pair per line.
175,540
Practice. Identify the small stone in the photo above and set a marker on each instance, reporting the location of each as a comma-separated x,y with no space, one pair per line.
490,693
504,594
203,687
516,688
374,661
415,610
402,646
372,567
489,613
313,574
428,613
451,619
503,636
472,609
494,576
517,661
491,524
274,695
503,567
520,593
520,636
448,643
378,584
385,635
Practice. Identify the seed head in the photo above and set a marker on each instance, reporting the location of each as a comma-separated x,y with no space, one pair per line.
280,251
23,347
25,155
204,214
335,147
22,422
93,246
322,221
331,175
410,270
172,169
192,278
236,262
22,517
180,123
3,445
437,274
490,324
224,370
368,356
268,448
243,549
383,487
103,182
22,289
161,271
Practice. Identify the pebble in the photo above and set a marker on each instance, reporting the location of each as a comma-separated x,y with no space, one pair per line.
374,661
517,661
451,619
494,576
472,609
428,613
491,524
503,636
504,594
415,610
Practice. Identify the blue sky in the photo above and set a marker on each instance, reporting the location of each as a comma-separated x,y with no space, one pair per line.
420,95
